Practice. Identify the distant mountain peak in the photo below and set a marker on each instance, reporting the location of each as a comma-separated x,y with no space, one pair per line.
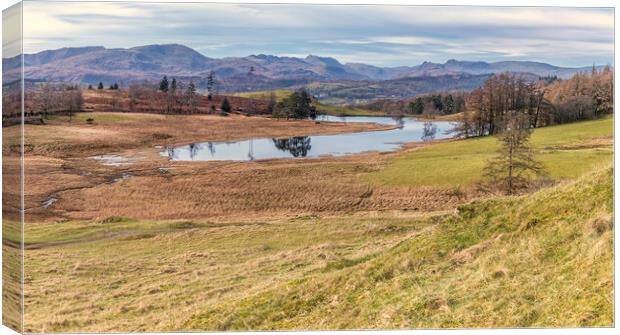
323,60
92,64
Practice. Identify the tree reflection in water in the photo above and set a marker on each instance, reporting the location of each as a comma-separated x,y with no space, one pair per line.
193,150
172,154
429,131
297,146
399,121
211,148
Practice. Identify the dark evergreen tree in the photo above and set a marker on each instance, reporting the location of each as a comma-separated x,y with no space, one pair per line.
448,104
226,106
100,87
418,106
210,85
437,102
163,84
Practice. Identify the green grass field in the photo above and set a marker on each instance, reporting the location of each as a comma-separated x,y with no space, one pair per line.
322,108
567,151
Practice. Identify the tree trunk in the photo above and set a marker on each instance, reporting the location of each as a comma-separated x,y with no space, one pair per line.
510,166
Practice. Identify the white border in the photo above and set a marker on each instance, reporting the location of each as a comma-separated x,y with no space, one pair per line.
558,3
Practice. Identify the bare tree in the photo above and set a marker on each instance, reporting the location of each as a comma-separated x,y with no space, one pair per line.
116,100
465,127
75,101
47,99
190,97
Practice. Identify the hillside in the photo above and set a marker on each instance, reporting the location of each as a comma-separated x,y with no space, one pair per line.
366,241
539,260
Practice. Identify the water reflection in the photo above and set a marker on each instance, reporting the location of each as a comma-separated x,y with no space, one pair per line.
297,146
429,131
171,151
408,130
399,121
194,148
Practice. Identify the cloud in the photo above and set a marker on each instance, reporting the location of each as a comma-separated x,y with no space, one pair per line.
382,35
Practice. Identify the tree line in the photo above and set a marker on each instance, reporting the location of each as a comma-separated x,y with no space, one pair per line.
57,98
169,96
428,104
541,103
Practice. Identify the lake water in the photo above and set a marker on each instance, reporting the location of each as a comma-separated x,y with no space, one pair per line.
410,130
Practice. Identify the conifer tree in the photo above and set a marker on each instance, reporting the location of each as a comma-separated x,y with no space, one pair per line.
514,165
163,84
226,106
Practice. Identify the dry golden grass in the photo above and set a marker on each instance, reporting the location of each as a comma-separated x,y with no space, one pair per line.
248,190
140,276
534,261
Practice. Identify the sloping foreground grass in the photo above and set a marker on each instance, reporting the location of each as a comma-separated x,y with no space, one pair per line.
542,260
125,275
566,150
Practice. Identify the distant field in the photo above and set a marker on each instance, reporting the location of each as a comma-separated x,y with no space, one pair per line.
322,108
264,95
566,150
102,118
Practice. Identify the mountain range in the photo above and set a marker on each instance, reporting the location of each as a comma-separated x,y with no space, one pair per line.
90,65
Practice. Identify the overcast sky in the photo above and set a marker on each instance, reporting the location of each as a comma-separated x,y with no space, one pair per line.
380,35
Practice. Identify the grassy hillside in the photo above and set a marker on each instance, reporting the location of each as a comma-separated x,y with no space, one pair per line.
532,261
543,259
536,261
566,150
322,108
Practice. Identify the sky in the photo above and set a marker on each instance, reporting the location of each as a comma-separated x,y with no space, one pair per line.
378,35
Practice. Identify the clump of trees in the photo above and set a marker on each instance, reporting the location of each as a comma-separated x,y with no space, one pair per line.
437,104
175,98
59,99
433,104
298,105
584,96
543,103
